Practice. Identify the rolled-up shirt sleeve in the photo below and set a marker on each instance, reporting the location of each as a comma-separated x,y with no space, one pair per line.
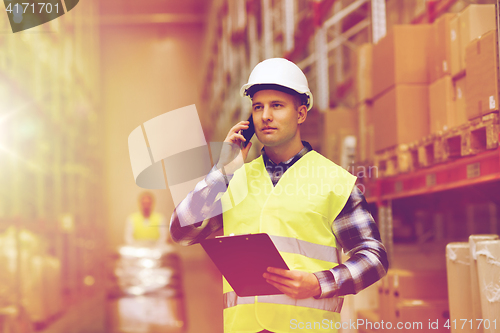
359,237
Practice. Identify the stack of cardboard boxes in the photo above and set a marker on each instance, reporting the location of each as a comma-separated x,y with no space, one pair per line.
416,81
427,78
413,293
342,123
400,78
443,98
481,75
416,297
410,301
339,133
473,70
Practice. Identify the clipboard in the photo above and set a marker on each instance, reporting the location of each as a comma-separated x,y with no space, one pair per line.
242,259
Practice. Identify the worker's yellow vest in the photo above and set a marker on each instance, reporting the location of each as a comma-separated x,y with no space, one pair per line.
146,231
298,214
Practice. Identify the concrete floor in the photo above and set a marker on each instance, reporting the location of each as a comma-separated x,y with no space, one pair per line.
203,291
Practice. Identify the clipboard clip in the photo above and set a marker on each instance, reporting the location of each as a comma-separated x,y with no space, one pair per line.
230,235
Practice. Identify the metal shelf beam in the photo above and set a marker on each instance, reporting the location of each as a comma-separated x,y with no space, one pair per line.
338,17
379,22
466,171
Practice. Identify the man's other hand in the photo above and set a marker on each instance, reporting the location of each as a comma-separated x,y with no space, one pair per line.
293,283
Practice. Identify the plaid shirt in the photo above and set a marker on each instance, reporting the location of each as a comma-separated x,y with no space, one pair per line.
354,228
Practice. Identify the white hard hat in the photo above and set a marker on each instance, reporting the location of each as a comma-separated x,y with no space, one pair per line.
281,72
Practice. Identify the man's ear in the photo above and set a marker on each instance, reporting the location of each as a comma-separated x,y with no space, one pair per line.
302,114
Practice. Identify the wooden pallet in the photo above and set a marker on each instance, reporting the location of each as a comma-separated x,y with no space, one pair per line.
394,161
427,151
475,136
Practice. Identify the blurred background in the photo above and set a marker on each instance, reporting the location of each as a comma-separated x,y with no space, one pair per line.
406,98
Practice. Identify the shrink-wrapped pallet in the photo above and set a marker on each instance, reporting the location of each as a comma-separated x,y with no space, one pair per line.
459,281
488,269
476,298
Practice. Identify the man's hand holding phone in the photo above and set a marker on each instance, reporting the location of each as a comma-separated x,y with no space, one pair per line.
233,154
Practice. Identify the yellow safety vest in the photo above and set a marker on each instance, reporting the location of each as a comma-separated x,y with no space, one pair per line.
146,231
297,214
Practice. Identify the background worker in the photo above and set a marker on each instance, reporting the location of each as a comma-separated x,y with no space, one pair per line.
308,227
146,227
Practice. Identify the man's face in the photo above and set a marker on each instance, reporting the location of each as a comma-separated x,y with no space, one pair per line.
146,204
276,117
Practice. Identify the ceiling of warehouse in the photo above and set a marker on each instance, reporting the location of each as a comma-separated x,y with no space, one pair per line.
153,11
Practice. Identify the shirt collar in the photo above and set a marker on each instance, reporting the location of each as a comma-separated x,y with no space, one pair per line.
268,162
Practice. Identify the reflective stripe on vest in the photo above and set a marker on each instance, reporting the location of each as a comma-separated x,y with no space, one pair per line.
310,250
333,304
230,299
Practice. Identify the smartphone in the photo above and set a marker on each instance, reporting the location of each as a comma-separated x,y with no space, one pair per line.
248,133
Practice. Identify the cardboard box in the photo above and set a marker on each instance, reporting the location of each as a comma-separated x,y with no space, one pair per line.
401,115
339,123
366,144
364,72
475,20
441,105
401,57
482,76
454,38
488,266
459,99
475,293
417,284
458,274
422,315
440,53
403,284
418,257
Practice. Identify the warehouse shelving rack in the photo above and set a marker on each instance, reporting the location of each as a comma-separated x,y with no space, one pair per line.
479,166
51,156
455,174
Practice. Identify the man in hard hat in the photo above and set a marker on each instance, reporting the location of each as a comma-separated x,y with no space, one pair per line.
309,206
146,227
